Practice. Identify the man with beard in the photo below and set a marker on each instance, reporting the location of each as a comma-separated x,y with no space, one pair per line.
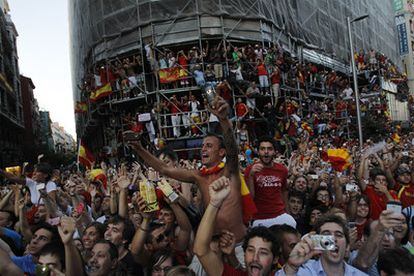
267,183
260,246
331,262
213,151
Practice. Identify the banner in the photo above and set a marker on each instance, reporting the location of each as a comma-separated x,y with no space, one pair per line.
168,75
402,35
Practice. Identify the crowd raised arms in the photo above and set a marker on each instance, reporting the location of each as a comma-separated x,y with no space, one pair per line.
292,195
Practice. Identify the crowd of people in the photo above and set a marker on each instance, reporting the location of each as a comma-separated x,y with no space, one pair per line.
292,194
261,83
319,206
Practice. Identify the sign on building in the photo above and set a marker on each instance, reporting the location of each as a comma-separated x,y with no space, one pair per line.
402,35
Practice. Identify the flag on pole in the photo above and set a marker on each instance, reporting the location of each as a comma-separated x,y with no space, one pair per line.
85,157
101,92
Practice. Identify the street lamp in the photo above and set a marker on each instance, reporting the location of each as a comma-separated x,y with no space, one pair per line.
354,75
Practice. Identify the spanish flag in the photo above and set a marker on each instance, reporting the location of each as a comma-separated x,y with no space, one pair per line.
85,157
101,92
248,206
98,175
81,107
340,159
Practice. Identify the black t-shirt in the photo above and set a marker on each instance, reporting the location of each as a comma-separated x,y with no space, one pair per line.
128,266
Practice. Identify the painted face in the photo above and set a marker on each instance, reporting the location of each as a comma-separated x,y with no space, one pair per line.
335,256
266,153
259,257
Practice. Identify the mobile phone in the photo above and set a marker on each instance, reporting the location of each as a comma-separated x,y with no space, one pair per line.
394,206
210,94
405,153
351,224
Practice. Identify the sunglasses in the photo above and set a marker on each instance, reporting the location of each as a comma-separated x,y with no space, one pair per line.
162,237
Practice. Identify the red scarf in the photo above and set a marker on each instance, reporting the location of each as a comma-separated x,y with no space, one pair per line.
205,171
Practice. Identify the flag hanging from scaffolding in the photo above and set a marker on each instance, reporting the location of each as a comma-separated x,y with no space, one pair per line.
168,75
81,107
101,92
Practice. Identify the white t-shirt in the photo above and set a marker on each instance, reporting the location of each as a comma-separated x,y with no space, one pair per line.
34,188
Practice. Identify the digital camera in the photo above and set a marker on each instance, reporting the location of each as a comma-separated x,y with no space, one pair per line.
323,242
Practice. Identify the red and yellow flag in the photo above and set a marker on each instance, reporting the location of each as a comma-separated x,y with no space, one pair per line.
340,159
85,157
81,107
248,206
101,92
168,75
98,174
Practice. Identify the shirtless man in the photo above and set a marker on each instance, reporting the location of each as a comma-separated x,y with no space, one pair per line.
212,153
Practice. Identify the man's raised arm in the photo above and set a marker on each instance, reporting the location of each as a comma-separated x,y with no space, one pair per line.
13,178
221,110
175,173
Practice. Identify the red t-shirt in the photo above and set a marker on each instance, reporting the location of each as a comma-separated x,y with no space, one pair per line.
228,270
241,109
378,201
261,70
275,77
406,195
268,187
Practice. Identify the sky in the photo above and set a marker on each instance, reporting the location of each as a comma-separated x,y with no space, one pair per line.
43,50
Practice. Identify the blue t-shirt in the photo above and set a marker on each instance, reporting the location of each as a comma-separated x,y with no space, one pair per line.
17,239
25,263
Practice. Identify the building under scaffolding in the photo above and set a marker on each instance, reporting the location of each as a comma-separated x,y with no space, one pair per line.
312,30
